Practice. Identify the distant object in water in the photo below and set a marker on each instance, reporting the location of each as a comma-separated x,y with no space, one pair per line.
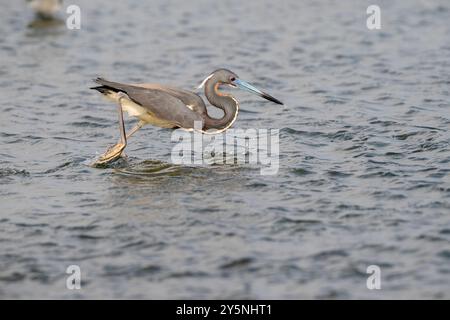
45,9
169,107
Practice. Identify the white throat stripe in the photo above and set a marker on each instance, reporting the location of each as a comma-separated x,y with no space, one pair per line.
204,81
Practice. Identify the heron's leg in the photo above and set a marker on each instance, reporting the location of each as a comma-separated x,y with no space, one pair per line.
114,152
139,125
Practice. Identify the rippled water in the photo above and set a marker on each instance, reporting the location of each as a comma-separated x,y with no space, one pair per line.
364,172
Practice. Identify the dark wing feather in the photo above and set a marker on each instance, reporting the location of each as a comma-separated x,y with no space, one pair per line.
159,103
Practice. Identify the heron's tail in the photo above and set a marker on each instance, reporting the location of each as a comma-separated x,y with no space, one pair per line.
110,89
111,86
102,89
106,90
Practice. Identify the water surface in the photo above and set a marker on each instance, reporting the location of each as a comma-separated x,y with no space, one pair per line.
364,172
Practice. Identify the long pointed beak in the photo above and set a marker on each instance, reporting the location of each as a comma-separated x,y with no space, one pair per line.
248,87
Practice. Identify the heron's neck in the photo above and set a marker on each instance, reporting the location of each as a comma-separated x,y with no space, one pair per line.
226,102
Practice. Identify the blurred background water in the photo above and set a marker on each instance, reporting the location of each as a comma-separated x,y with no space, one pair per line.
364,153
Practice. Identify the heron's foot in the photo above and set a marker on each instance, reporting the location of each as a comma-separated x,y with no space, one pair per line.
112,154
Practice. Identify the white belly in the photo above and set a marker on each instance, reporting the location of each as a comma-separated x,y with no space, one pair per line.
135,110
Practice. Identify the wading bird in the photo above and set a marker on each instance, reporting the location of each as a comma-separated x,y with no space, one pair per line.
45,9
170,107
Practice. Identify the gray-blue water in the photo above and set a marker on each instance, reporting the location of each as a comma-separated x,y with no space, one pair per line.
364,175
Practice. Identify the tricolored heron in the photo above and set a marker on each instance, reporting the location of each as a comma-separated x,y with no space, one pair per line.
170,107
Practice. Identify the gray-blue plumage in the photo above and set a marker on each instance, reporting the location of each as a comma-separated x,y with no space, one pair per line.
170,107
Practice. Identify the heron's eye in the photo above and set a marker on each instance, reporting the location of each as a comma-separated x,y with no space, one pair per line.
232,79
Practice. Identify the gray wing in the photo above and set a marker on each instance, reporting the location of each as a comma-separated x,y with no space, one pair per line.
191,99
160,103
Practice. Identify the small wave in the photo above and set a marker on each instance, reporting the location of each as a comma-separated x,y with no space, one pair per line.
237,264
301,132
56,169
13,277
301,172
382,174
324,255
6,172
154,168
299,221
132,271
88,124
334,173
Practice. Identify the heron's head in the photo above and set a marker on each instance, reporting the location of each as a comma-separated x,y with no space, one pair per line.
227,77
